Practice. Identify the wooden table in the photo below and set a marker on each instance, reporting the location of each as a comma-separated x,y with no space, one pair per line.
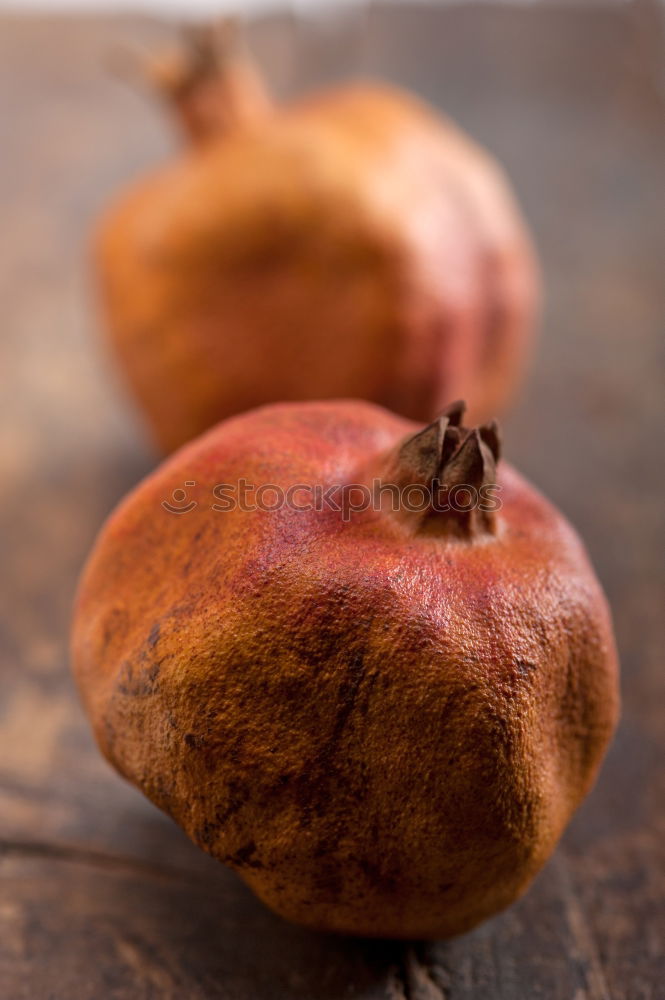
100,895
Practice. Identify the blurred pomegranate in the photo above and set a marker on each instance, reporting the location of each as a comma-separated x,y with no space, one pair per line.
352,244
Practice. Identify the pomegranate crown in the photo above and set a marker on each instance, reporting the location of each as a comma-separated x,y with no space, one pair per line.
208,79
445,456
451,453
204,52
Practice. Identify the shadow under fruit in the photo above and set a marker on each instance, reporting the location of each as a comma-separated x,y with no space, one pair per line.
352,244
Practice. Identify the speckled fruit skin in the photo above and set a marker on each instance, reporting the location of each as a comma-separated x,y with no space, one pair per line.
354,244
383,731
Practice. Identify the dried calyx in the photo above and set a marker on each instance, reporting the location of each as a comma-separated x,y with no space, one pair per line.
456,468
211,80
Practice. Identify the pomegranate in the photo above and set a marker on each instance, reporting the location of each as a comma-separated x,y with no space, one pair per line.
377,684
352,244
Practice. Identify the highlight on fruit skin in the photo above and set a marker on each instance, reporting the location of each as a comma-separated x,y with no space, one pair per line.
381,715
354,243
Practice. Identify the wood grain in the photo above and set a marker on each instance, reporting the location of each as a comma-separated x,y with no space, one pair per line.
100,895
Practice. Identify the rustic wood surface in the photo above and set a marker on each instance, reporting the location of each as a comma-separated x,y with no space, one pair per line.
100,895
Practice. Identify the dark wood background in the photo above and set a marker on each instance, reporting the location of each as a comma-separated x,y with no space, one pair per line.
100,895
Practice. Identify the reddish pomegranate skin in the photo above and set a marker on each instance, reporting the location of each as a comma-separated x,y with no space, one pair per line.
352,244
383,724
